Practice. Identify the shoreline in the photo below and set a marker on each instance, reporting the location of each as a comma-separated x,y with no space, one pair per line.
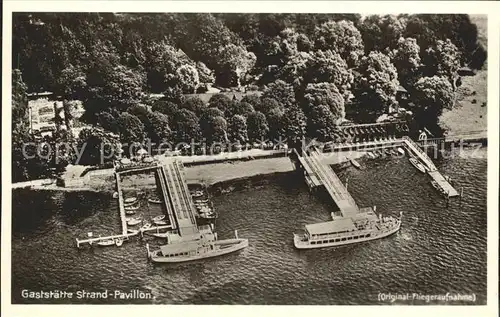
213,174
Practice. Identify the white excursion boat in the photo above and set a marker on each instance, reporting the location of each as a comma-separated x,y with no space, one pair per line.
364,226
155,201
418,165
133,221
195,250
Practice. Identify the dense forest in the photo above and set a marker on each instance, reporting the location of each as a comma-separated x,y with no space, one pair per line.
312,71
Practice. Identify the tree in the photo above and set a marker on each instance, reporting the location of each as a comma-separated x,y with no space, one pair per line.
252,99
237,129
220,101
331,68
186,126
236,62
99,147
131,131
381,33
241,108
324,94
71,83
322,123
431,96
341,37
267,104
159,131
211,125
295,68
166,107
281,92
295,124
375,87
443,59
275,119
406,59
195,105
107,121
20,119
257,126
188,78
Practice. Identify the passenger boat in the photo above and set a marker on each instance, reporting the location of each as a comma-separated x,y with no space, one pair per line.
155,201
418,165
133,221
195,250
355,163
364,226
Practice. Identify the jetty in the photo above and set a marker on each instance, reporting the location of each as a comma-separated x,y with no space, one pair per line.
176,199
323,175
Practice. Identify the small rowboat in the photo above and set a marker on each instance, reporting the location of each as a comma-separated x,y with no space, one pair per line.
370,155
197,193
129,211
129,201
160,222
132,230
106,243
132,207
355,163
160,234
158,218
145,227
155,201
133,221
418,165
401,151
119,242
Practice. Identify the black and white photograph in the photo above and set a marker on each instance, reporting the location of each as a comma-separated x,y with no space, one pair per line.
249,158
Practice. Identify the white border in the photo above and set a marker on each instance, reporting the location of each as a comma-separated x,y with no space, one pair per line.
383,7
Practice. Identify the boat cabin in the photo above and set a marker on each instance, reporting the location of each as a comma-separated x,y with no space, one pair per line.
189,248
336,231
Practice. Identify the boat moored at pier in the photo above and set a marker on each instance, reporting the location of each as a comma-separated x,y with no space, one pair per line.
196,250
361,227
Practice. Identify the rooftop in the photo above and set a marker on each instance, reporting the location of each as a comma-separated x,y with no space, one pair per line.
340,224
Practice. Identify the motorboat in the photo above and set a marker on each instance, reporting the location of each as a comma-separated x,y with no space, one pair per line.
418,165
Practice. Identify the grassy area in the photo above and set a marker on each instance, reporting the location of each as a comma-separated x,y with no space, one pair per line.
470,113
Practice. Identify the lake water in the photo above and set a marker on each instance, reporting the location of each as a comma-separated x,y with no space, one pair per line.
439,249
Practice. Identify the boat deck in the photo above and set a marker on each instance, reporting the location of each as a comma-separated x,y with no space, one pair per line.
444,184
